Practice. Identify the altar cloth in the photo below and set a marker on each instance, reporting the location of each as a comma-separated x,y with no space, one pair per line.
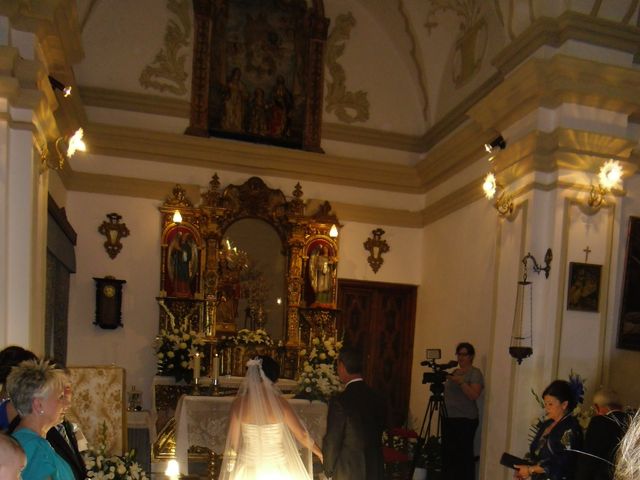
203,421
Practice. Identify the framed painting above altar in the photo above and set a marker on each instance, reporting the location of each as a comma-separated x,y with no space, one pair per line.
258,71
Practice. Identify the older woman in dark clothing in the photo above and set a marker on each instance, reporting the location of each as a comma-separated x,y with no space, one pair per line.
551,449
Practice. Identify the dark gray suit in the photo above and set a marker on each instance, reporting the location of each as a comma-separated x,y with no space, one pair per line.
352,446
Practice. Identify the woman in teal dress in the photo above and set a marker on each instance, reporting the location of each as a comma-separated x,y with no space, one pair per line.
37,391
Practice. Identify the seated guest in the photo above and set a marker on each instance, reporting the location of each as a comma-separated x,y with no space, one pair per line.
551,448
9,358
12,458
602,438
36,390
628,461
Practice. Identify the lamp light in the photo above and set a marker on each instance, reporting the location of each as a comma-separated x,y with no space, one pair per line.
610,177
173,469
333,233
177,218
521,344
55,155
504,202
58,85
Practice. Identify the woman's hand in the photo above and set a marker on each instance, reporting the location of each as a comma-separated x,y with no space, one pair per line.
523,471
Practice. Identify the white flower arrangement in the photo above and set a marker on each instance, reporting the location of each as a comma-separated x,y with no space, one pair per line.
259,336
318,379
102,466
174,350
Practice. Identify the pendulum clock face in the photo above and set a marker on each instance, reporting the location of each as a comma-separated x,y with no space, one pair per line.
108,302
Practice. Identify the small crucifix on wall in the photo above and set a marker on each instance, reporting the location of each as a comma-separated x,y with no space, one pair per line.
586,251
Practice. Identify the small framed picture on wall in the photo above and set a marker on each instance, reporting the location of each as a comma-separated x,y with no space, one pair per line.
583,292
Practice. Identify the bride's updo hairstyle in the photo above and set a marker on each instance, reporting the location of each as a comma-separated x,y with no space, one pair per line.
270,368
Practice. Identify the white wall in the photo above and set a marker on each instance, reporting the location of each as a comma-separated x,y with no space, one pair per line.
138,263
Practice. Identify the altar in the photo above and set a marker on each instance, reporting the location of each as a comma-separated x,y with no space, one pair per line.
203,422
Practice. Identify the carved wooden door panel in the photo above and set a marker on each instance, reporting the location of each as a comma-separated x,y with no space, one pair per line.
379,319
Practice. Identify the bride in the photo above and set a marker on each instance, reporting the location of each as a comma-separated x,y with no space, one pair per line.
260,442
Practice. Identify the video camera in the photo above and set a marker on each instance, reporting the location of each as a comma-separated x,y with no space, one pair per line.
439,374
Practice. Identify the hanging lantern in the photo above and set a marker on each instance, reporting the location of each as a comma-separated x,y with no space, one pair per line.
521,345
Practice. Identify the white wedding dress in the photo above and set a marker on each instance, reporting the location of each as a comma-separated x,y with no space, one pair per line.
260,444
263,457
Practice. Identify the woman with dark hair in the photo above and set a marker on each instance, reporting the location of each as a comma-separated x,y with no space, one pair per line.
551,448
461,390
10,357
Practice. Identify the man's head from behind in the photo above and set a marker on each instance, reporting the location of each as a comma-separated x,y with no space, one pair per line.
12,458
349,364
605,399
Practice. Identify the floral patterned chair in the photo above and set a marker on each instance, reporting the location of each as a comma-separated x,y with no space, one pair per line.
99,400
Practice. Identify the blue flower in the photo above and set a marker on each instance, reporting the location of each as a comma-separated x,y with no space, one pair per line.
577,386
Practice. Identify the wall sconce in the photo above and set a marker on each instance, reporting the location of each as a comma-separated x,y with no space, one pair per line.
610,177
55,155
504,202
376,247
521,344
498,142
114,231
58,85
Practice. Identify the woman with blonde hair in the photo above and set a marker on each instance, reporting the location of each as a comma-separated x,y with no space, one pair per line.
37,391
628,462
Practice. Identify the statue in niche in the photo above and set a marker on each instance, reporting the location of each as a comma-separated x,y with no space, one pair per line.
321,267
234,99
182,265
280,109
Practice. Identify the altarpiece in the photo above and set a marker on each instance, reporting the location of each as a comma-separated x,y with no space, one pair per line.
212,283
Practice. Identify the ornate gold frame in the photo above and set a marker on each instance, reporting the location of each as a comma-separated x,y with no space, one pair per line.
209,221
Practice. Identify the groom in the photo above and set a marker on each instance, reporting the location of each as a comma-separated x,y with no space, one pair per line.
352,446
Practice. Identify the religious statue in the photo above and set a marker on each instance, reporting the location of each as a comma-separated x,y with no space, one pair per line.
321,267
234,99
258,113
280,111
182,264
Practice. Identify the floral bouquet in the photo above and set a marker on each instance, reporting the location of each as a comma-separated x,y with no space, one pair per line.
100,465
259,336
318,379
174,350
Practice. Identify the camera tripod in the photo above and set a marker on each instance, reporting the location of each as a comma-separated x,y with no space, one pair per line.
435,406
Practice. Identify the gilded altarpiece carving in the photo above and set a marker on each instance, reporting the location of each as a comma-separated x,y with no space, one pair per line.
202,272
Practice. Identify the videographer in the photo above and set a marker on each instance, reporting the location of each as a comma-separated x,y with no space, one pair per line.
461,390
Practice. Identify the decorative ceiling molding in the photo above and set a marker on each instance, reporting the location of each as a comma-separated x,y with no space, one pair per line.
349,107
413,53
549,83
167,72
134,102
214,153
568,26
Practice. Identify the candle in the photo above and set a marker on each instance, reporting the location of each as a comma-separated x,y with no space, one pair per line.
196,367
216,368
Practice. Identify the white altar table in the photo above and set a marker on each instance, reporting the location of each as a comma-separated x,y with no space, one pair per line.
203,421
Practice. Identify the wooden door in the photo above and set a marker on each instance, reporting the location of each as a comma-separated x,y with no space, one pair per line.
379,319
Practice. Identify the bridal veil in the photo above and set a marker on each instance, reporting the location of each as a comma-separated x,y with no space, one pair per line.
263,429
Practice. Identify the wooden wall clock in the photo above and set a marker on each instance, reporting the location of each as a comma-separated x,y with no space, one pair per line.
108,302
